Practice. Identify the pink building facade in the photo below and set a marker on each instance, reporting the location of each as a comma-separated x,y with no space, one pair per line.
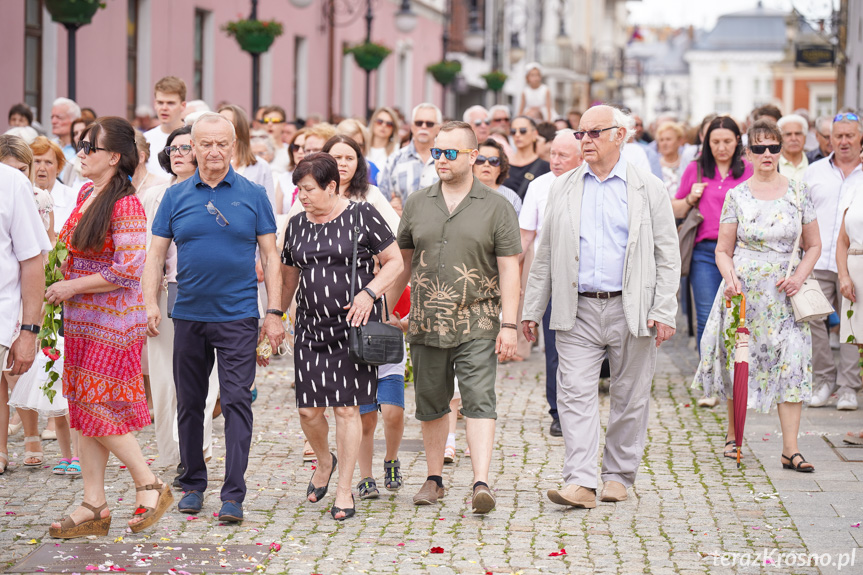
132,43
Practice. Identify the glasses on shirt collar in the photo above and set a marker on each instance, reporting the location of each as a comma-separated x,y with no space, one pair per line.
214,211
846,116
594,134
449,154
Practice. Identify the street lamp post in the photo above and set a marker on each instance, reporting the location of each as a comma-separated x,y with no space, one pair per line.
369,17
256,68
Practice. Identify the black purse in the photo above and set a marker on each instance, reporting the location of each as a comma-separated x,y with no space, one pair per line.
375,343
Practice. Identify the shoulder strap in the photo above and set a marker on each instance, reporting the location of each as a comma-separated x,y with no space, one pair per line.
795,185
698,170
355,233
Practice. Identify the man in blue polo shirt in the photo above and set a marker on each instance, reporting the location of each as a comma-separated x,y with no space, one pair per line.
217,219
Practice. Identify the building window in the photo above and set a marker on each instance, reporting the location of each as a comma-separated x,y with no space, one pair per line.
33,54
729,84
301,77
757,86
198,86
131,58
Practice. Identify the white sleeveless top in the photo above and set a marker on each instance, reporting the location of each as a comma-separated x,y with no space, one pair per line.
536,98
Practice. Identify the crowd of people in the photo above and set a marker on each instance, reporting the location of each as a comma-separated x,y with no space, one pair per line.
199,245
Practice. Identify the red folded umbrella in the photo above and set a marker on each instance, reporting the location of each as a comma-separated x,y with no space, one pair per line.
741,376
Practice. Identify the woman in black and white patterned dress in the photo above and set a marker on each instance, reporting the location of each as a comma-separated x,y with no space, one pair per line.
317,255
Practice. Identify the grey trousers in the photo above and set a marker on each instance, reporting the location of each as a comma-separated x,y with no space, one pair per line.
824,369
600,329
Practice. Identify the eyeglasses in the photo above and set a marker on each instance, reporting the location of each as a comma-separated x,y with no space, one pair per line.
214,211
88,148
481,122
594,134
499,120
182,150
848,115
272,121
493,161
386,123
450,154
422,124
310,151
759,149
521,131
296,147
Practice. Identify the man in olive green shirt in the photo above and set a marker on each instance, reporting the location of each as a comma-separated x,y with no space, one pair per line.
460,242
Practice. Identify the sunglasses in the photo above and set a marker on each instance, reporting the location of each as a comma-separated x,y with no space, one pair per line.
498,120
272,121
88,148
594,134
450,154
759,149
848,116
182,150
422,124
481,123
296,147
386,123
521,131
493,161
214,211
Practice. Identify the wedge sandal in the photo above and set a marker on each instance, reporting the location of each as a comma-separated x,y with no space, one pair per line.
70,530
150,515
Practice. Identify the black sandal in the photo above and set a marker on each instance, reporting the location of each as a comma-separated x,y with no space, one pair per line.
730,453
799,467
392,475
348,511
368,489
320,492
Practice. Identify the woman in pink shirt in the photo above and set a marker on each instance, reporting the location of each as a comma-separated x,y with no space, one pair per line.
722,167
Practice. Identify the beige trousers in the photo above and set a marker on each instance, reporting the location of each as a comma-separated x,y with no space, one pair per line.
600,328
824,369
161,354
524,347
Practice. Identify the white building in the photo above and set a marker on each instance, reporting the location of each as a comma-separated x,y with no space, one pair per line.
854,50
657,76
730,68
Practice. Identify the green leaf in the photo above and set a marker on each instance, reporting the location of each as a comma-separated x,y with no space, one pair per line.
54,376
851,339
849,313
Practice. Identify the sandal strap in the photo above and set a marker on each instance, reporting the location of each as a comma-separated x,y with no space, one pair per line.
392,464
96,510
32,439
791,459
151,487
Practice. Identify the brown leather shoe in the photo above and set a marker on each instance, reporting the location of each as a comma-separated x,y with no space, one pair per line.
613,491
483,500
429,493
574,496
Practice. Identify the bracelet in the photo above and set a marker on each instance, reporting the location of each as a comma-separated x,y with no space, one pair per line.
277,312
509,326
369,291
31,327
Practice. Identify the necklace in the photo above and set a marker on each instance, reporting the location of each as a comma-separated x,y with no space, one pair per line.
141,185
324,223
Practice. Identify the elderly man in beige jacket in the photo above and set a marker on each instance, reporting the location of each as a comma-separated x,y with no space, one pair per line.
609,261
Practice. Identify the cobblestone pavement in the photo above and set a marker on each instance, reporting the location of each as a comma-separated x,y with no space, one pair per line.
688,507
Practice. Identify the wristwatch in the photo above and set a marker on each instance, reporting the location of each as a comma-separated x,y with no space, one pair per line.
371,293
31,327
277,312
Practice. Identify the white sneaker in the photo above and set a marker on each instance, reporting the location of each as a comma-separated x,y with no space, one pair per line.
847,400
821,395
834,340
707,401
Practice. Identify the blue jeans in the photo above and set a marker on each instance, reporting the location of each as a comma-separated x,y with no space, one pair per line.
705,279
551,362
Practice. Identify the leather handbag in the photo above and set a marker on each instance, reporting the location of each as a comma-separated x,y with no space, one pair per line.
809,303
375,343
686,232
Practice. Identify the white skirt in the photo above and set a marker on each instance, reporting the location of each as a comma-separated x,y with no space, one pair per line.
28,395
853,326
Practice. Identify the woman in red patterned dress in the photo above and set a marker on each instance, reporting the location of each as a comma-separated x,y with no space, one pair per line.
104,324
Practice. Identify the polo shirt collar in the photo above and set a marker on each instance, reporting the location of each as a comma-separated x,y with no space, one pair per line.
230,178
619,170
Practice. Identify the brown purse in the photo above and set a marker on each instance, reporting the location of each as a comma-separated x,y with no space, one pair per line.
686,232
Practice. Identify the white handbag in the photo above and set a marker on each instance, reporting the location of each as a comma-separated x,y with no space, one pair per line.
809,303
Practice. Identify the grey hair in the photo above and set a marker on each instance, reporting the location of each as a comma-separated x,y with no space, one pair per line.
212,118
566,132
69,105
623,122
497,107
477,108
197,106
823,124
263,136
846,120
794,119
427,106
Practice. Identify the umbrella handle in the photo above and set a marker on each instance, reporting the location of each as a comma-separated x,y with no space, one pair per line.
743,310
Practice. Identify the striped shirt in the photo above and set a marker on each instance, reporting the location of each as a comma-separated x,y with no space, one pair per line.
405,173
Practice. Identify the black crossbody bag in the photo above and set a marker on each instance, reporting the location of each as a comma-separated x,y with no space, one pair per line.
375,343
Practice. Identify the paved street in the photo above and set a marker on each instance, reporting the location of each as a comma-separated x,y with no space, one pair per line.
689,511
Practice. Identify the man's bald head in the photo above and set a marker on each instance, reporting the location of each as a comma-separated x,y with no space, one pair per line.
565,152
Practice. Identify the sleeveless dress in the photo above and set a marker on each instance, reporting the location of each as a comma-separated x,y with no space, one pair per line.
780,349
104,332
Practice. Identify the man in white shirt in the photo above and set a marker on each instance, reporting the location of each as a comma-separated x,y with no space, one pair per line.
170,102
565,156
23,241
63,113
793,162
478,118
831,182
412,167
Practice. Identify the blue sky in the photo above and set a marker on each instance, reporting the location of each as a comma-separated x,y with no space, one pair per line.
703,13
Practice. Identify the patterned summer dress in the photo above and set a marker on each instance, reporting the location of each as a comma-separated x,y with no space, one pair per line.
780,349
105,331
325,375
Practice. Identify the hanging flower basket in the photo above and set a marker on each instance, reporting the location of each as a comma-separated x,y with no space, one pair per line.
445,71
79,12
495,80
368,55
254,36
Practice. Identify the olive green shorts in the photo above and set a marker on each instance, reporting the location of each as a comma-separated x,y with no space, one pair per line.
475,365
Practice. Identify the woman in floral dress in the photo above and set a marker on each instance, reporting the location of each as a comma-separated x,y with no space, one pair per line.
760,222
104,323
